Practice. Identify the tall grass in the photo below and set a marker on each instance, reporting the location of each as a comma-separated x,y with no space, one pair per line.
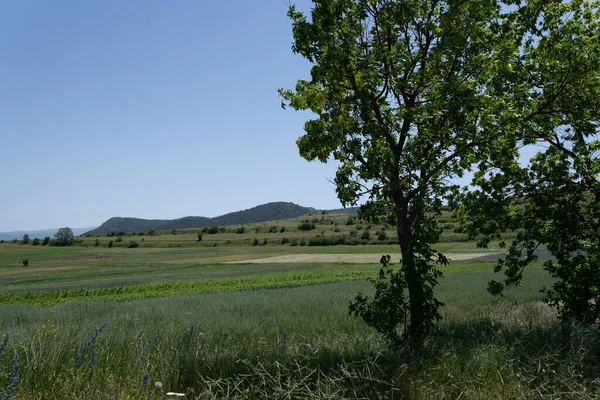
233,345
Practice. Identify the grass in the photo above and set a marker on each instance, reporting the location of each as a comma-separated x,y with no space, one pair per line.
180,315
233,344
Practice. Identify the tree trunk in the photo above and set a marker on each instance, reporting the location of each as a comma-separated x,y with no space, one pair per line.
414,281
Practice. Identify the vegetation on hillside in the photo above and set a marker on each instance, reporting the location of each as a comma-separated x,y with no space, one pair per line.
265,212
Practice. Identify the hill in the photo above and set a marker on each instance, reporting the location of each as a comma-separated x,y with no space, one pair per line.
265,212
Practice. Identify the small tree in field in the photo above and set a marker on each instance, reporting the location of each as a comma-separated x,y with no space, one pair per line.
411,94
25,238
64,237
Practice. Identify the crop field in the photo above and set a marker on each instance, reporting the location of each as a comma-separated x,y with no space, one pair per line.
227,318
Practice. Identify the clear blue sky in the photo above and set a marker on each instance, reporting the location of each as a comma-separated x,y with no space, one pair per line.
148,108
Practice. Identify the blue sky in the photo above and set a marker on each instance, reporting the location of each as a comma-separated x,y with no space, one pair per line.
151,109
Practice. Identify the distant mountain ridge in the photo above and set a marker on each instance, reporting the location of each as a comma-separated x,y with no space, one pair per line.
265,212
38,233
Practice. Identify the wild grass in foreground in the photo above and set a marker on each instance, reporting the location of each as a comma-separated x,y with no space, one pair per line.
295,343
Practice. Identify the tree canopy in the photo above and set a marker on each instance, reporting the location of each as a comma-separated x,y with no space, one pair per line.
409,95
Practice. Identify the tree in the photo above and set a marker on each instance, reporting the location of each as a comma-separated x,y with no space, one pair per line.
25,238
554,201
409,95
64,237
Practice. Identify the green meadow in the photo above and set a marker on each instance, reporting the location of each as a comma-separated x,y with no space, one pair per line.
217,319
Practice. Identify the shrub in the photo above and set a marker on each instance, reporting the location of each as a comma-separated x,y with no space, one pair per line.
264,242
241,230
359,227
449,226
25,238
306,226
25,262
302,242
133,244
174,231
215,244
382,236
369,226
35,242
285,240
458,229
350,220
1,241
366,235
294,242
110,244
64,237
273,229
353,233
282,229
46,240
119,239
255,242
212,230
97,242
152,232
199,237
121,233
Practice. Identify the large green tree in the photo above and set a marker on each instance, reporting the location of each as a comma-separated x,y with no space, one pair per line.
554,201
409,95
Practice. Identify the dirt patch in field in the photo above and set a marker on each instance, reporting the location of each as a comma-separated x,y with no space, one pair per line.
350,258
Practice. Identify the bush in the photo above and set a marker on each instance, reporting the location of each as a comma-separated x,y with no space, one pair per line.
264,242
174,231
306,226
240,230
302,242
459,229
212,230
273,229
25,238
110,244
449,226
64,237
369,226
255,242
366,235
119,239
350,220
294,242
382,236
46,240
285,240
282,229
133,244
97,242
35,242
25,262
353,233
199,237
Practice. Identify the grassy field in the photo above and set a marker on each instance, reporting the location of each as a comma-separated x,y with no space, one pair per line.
96,322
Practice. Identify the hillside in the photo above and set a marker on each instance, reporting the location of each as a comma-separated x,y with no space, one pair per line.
265,212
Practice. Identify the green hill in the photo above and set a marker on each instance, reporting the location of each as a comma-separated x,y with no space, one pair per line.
265,212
